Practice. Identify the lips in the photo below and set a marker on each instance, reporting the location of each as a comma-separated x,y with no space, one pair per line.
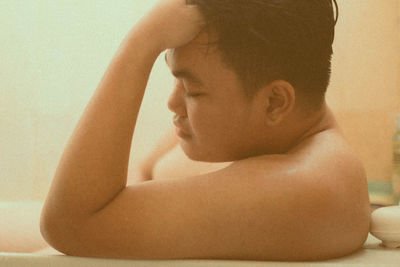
181,134
179,128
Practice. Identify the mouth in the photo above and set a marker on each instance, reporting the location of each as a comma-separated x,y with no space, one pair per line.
179,131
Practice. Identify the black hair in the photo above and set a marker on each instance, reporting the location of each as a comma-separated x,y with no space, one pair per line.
267,40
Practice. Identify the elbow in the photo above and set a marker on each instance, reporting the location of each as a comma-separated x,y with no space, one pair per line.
61,233
52,231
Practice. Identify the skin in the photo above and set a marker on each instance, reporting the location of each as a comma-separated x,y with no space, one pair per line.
222,124
295,190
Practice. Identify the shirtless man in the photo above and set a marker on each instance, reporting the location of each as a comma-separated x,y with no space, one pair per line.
294,189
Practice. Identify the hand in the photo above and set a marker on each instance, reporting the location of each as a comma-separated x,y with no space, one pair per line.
172,23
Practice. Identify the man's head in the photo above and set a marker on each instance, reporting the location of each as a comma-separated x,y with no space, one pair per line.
267,40
258,74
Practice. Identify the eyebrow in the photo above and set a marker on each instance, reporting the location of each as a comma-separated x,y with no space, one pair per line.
184,73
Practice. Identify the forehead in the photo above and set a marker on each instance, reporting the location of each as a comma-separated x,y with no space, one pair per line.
220,82
195,54
205,62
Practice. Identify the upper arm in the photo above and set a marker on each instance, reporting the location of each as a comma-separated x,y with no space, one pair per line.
232,213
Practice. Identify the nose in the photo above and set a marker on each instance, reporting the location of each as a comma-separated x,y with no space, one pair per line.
176,101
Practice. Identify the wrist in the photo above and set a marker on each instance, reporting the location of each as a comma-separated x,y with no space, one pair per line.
140,43
151,34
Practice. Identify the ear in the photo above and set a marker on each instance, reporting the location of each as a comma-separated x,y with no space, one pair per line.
279,99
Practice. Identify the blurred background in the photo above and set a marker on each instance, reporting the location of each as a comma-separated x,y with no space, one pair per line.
54,53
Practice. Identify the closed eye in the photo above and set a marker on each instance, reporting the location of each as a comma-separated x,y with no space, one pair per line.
189,95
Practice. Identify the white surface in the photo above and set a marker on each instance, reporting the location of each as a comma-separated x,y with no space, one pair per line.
385,225
371,253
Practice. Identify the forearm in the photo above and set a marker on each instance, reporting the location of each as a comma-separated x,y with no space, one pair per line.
93,168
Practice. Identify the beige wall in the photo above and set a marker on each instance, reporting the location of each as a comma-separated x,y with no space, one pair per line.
365,86
54,53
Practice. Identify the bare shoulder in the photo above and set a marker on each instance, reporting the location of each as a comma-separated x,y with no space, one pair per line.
273,207
328,157
327,181
333,167
330,162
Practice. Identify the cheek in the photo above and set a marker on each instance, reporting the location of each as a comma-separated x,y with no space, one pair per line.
210,124
200,117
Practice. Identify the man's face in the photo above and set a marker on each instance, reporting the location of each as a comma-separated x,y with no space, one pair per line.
210,105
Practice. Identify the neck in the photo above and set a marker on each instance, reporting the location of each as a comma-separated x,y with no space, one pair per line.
291,134
298,128
320,121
